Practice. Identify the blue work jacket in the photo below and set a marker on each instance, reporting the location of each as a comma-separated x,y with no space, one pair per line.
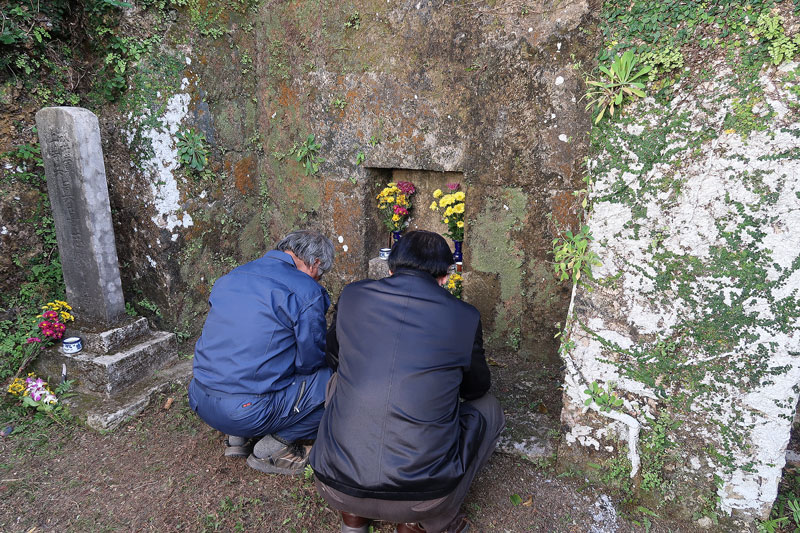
266,325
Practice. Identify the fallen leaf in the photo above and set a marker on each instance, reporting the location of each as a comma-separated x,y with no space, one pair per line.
493,362
168,403
542,408
528,502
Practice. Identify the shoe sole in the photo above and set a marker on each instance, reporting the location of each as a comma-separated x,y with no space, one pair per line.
263,466
238,451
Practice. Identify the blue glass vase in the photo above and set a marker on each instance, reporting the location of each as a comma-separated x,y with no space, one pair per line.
458,257
396,236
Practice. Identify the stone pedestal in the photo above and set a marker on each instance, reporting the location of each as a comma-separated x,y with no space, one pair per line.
114,372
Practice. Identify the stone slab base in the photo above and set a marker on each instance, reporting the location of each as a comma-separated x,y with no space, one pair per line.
102,413
110,374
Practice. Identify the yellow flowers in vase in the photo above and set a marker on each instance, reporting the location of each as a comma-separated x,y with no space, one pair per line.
394,203
452,209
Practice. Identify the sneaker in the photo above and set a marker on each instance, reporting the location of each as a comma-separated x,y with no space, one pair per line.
289,460
238,446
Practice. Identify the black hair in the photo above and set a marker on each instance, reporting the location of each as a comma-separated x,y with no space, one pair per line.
421,250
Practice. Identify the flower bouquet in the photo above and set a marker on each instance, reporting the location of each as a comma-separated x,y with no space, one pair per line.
56,314
394,203
455,285
51,329
34,392
452,205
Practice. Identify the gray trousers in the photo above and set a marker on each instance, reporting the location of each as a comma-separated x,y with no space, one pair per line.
433,515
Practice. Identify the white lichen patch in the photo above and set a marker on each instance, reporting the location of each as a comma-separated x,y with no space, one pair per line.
695,311
161,166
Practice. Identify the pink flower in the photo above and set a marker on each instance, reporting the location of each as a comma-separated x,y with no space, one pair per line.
50,315
453,186
44,324
33,339
58,326
399,210
406,187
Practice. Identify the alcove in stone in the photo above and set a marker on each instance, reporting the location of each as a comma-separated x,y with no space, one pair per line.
422,217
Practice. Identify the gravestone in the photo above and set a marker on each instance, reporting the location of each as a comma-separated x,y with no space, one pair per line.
122,363
76,184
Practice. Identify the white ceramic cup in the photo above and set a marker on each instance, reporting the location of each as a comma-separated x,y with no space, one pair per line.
72,345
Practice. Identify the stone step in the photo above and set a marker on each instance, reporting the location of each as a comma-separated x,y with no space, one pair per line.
102,413
109,374
111,340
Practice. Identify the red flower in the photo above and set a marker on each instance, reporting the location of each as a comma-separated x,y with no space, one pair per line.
399,210
453,186
406,187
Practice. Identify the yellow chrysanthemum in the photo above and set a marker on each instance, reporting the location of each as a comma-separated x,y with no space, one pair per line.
390,199
395,217
17,387
447,221
437,193
458,208
460,223
434,207
460,196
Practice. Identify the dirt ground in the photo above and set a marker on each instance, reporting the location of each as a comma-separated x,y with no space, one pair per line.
164,471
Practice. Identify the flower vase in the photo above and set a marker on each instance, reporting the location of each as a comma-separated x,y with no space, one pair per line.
396,236
458,257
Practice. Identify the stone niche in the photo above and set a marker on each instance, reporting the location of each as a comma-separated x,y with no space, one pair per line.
422,217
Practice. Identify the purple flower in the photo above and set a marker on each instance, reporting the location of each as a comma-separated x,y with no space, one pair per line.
33,339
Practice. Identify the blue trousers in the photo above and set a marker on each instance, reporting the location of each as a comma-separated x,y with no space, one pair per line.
292,413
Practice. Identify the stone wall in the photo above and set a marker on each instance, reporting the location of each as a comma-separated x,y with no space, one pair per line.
489,94
692,320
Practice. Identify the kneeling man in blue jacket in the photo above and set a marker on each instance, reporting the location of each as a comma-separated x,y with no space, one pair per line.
259,366
396,443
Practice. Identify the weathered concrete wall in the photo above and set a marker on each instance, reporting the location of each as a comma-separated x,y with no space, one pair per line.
487,92
693,319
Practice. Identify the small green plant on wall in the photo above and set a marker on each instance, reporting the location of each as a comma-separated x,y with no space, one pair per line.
769,29
572,255
192,150
307,154
605,399
615,85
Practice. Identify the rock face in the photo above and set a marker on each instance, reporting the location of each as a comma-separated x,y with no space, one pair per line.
692,319
490,96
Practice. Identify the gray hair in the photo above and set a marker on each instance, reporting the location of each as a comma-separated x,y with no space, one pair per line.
309,246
